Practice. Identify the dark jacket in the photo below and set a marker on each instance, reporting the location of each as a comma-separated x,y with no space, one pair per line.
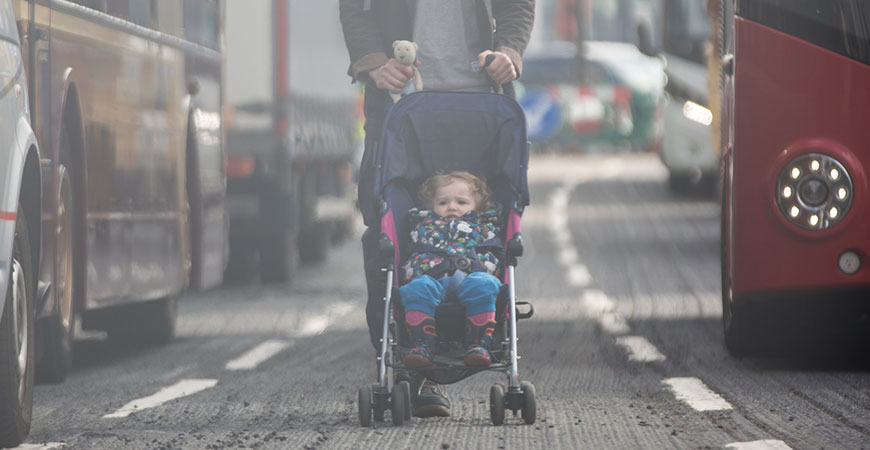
436,242
371,26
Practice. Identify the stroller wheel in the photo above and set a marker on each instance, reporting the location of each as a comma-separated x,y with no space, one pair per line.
398,403
529,405
380,400
364,398
496,404
407,388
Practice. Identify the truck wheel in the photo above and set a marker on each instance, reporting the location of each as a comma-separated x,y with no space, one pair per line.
56,359
17,349
679,183
278,259
314,243
240,267
341,231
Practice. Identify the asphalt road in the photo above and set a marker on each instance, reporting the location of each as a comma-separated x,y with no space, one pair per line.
625,349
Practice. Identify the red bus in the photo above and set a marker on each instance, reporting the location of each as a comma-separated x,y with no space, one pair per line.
126,102
795,195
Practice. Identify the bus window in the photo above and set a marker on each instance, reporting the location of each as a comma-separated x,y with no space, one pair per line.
842,26
99,5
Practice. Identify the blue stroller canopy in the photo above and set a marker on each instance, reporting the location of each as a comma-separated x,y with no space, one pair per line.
435,132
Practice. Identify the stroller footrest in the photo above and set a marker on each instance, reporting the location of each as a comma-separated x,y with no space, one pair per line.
525,315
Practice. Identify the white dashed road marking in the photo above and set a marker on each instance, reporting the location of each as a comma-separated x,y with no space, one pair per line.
579,276
568,255
317,324
597,305
639,349
596,302
696,394
613,323
44,446
253,357
181,389
768,444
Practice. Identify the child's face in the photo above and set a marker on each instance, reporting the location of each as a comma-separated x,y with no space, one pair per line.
453,200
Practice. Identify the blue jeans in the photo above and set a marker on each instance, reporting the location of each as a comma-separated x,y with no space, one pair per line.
478,292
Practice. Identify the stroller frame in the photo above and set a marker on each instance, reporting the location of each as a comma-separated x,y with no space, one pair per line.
387,394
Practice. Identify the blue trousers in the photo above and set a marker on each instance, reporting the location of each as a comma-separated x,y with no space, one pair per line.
478,292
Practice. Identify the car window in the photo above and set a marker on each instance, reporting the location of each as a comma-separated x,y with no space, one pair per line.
8,29
10,66
549,70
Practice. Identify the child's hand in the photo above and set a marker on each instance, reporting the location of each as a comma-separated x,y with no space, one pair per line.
501,69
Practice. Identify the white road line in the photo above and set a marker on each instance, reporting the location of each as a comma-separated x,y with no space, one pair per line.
317,324
613,323
558,220
562,238
313,326
568,256
44,446
767,444
253,357
602,309
181,389
596,302
639,349
579,276
696,394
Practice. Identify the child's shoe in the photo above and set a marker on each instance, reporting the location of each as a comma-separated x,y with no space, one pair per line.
422,337
477,340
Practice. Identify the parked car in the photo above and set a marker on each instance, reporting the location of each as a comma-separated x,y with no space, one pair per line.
20,225
610,94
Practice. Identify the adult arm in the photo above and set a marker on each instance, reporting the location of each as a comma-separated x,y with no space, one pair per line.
360,27
514,20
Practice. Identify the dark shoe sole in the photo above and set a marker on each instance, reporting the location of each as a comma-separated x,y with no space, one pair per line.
416,361
431,411
476,360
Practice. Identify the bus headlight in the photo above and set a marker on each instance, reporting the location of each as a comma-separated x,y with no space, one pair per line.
814,192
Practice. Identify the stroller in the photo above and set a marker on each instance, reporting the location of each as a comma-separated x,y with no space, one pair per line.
426,133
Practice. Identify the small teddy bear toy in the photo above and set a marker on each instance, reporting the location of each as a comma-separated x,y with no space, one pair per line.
405,52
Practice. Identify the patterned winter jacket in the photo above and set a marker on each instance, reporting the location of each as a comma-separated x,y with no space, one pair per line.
436,242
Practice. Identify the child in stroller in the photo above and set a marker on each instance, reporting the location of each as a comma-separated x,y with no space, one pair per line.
456,235
425,134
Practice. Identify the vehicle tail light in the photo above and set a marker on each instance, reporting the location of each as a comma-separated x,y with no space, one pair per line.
240,166
814,191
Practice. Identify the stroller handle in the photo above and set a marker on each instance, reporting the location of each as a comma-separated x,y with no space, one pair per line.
507,89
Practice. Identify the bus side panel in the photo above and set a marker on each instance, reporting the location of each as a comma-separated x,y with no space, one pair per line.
786,91
131,92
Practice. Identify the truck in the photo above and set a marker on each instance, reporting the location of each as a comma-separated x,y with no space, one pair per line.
292,132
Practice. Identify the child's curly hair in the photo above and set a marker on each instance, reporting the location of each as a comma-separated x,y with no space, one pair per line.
478,188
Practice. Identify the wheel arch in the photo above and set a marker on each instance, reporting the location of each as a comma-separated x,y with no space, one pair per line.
30,198
74,158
